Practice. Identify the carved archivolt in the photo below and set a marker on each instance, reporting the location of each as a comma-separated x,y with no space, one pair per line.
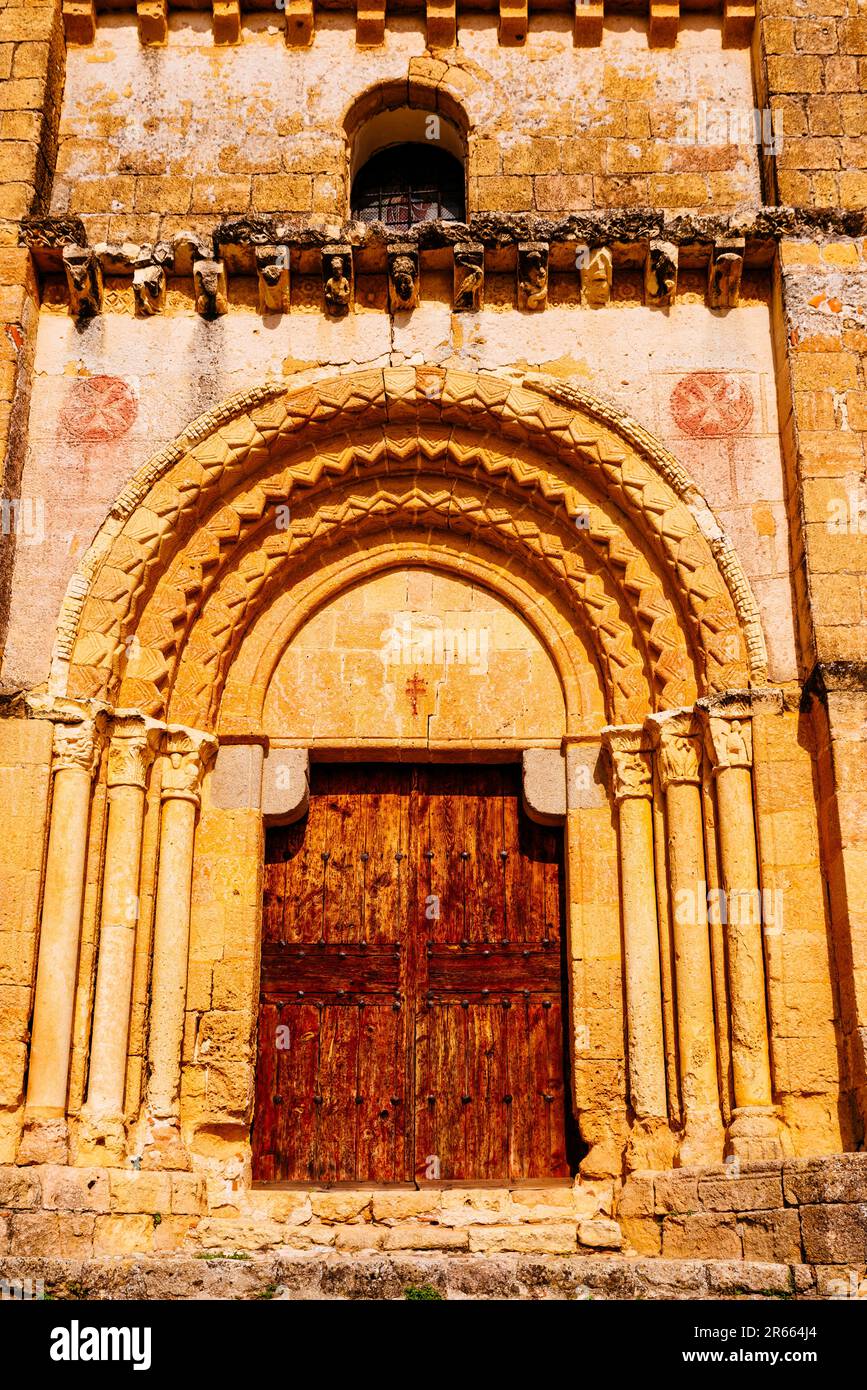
573,488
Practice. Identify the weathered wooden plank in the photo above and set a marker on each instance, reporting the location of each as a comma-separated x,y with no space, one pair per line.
491,971
330,968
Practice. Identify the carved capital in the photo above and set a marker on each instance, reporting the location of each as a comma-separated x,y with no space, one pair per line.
186,757
729,741
631,761
678,741
131,751
76,746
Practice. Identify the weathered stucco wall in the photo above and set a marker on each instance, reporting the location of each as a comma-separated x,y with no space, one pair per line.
151,137
103,402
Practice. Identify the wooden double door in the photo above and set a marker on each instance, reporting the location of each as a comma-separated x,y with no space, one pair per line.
412,986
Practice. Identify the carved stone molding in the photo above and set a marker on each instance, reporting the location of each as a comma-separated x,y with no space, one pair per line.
629,753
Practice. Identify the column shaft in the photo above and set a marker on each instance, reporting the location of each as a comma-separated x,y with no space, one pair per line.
641,952
171,950
60,930
105,1094
751,1066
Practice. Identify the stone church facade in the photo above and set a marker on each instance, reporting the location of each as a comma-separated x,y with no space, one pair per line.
433,621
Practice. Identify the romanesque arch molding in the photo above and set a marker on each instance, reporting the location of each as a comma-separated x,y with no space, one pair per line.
642,528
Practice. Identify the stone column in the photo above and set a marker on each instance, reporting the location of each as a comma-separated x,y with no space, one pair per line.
651,1140
186,756
130,754
679,761
755,1130
74,763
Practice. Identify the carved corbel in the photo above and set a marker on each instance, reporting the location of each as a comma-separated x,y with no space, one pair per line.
369,22
84,281
442,23
660,273
209,279
186,249
597,271
664,23
116,258
469,281
272,268
153,22
532,275
588,23
299,23
226,21
148,285
724,273
739,17
402,278
512,28
337,280
79,21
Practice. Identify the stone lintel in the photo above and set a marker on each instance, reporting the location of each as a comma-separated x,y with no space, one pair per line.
543,781
285,785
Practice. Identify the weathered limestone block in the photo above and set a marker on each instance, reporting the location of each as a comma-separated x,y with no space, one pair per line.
140,1191
337,280
532,275
724,273
835,1233
55,1233
20,1189
832,1178
83,280
660,273
236,784
123,1235
469,277
704,1235
425,1238
741,1193
188,1194
74,1189
399,1206
554,1239
597,271
340,1206
402,278
771,1235
359,1238
543,783
285,785
673,1193
209,279
272,268
600,1234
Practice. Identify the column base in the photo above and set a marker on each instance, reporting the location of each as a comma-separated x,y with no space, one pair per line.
100,1141
702,1142
754,1133
44,1139
164,1147
651,1146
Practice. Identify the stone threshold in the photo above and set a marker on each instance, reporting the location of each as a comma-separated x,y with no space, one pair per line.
397,1277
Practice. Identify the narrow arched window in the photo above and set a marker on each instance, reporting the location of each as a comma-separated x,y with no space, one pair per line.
410,183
